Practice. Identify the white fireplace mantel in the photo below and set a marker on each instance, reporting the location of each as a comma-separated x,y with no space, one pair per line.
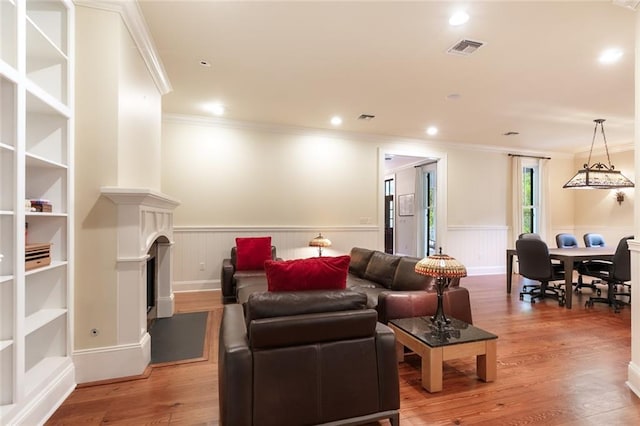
139,196
144,218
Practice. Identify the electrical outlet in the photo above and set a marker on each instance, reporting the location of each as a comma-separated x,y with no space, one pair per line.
202,266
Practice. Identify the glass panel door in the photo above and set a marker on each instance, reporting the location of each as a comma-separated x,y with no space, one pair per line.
429,208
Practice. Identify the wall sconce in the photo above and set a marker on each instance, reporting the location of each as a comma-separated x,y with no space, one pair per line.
619,197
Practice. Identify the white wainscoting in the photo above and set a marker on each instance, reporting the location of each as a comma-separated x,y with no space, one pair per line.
482,249
198,251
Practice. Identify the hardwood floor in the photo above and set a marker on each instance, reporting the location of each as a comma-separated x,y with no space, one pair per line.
555,367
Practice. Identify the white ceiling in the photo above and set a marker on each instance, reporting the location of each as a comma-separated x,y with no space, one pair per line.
299,63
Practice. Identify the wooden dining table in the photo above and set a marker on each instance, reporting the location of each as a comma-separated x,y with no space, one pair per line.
568,256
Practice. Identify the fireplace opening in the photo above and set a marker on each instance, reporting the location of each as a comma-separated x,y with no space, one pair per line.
152,283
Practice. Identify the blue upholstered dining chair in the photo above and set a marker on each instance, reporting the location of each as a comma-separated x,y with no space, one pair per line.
593,240
566,241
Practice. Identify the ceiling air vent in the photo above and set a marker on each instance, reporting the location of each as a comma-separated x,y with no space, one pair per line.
366,117
465,47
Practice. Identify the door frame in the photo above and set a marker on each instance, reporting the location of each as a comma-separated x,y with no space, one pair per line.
441,188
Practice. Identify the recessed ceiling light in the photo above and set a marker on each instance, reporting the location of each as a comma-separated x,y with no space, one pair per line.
336,121
458,18
215,108
610,56
432,130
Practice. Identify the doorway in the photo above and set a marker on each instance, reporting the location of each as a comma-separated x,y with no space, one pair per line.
417,232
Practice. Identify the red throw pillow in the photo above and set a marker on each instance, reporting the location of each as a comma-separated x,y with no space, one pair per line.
317,273
251,253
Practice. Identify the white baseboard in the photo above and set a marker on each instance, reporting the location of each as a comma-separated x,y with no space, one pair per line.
486,270
201,285
46,400
633,378
112,362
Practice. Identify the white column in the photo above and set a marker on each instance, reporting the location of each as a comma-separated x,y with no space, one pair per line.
633,374
132,302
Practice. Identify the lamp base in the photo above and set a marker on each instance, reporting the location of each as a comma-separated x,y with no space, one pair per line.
445,333
438,321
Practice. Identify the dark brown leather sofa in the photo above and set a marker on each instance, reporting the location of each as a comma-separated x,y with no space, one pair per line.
229,276
390,283
395,290
306,358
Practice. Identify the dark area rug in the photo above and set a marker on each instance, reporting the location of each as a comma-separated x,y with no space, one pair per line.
179,338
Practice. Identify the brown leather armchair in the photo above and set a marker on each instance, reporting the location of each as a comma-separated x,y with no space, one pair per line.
306,358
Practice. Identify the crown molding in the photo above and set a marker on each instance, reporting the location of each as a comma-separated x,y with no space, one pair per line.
382,140
627,4
133,19
613,149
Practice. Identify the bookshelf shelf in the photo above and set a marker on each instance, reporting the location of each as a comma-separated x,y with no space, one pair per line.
36,122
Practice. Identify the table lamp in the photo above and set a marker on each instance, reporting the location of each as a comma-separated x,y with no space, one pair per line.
443,268
320,242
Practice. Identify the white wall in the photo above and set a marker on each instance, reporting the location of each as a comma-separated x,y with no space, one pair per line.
227,176
238,179
479,188
96,164
138,119
117,143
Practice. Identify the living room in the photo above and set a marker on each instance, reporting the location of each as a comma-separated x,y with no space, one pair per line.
241,177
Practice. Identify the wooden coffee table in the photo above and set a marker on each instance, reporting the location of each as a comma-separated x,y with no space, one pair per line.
460,341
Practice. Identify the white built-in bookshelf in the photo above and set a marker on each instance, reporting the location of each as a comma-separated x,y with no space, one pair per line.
36,147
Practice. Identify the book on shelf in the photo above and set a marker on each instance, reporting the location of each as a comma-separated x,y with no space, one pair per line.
37,255
40,205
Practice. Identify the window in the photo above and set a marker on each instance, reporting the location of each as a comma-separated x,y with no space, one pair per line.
530,198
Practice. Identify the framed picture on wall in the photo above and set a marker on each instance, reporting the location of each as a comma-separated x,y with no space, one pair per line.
405,205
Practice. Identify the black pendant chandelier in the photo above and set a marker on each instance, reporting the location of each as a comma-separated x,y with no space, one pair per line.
598,175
